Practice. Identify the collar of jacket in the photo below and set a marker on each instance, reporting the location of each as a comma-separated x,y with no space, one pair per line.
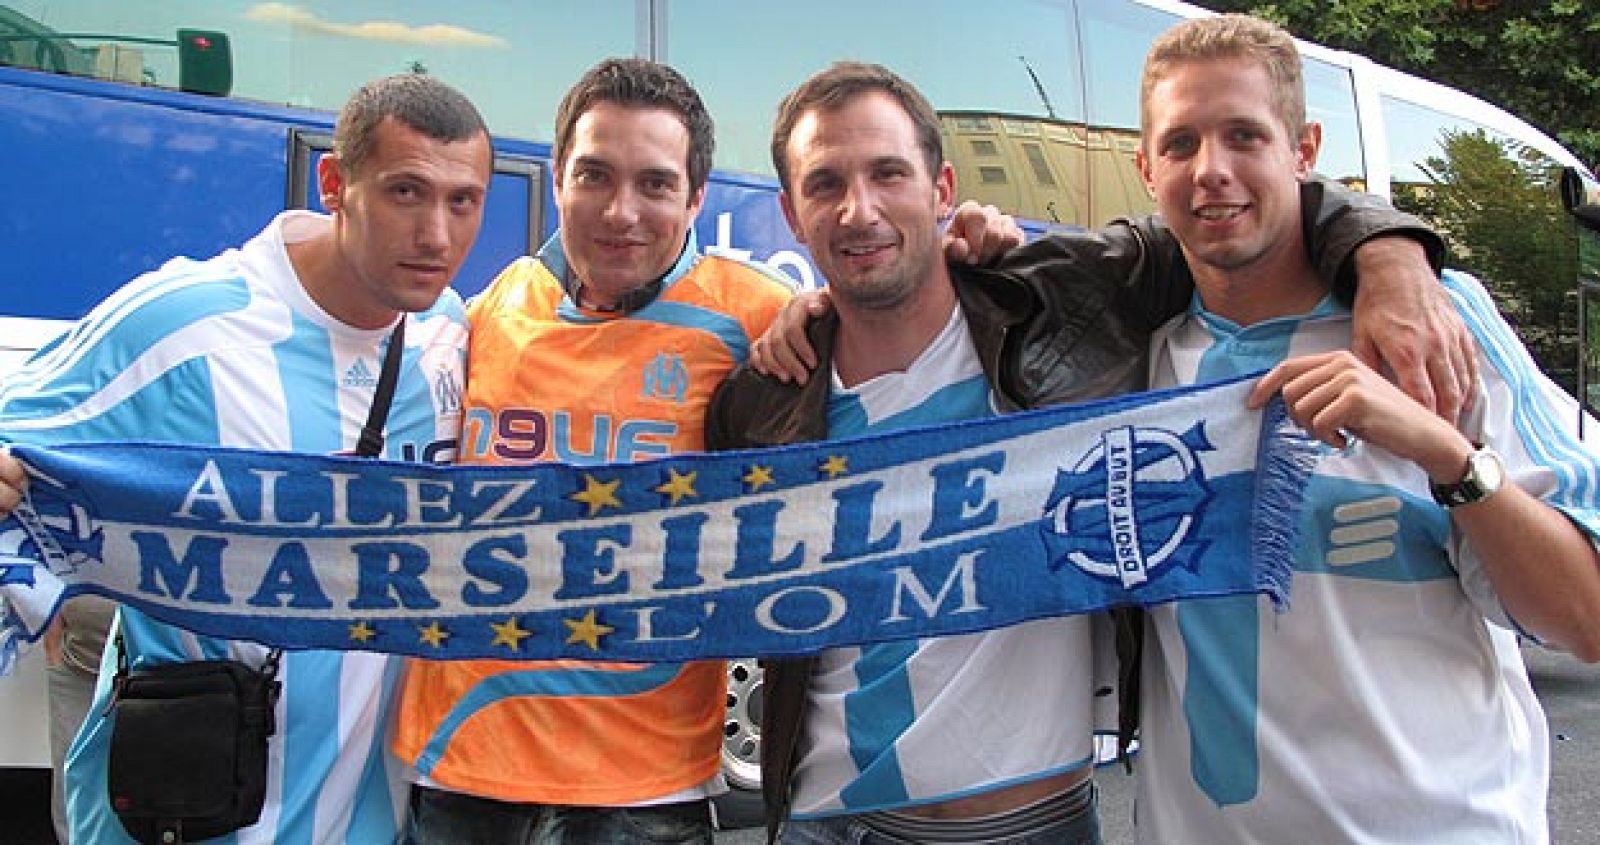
994,302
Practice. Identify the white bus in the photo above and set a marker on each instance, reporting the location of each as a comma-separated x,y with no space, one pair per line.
134,130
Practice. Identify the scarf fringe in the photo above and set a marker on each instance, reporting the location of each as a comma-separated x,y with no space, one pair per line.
1285,459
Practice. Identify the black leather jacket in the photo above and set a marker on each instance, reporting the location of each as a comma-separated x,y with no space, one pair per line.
1064,319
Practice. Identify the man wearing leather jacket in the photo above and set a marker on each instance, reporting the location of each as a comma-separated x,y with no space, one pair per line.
985,736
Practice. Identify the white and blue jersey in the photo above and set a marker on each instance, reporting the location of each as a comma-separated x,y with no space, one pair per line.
924,721
232,351
1390,702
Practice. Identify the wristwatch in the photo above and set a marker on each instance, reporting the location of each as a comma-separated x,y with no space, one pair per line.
1482,478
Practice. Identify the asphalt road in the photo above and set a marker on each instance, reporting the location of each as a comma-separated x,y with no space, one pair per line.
1569,690
1570,693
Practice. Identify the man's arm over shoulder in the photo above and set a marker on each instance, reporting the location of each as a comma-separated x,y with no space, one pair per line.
751,410
1139,261
1133,267
1338,221
1404,320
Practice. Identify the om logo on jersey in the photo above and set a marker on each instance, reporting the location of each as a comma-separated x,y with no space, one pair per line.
446,392
666,377
1128,503
56,528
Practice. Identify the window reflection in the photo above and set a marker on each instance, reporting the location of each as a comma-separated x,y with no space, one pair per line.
1116,36
1497,202
1331,101
1031,125
1048,170
980,63
514,60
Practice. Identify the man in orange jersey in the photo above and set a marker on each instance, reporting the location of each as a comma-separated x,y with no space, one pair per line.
605,346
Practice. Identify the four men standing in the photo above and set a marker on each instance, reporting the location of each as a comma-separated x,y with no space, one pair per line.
950,739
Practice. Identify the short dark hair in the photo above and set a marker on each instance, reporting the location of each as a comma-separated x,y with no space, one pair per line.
842,82
644,84
417,100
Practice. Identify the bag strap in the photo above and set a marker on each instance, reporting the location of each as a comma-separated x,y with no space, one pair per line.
371,442
268,668
367,446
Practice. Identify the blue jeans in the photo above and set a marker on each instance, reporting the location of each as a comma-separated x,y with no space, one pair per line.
438,817
847,830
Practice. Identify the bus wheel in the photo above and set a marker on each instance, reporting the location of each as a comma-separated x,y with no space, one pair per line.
741,748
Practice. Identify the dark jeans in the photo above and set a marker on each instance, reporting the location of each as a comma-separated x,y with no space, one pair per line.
438,817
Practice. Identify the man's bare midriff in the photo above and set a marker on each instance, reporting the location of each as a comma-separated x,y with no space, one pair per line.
1000,800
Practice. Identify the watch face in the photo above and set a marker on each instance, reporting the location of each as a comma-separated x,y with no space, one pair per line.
1487,472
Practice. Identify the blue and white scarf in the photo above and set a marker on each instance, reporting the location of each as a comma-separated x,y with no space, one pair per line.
1142,499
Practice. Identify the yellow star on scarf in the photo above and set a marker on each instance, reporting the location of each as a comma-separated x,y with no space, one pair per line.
598,494
433,635
587,630
758,477
509,634
361,632
678,486
835,466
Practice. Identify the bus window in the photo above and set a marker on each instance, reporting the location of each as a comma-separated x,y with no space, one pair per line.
1331,101
993,61
1115,38
513,59
1007,89
1497,202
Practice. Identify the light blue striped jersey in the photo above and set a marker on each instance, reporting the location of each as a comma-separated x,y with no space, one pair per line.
1390,703
923,721
232,351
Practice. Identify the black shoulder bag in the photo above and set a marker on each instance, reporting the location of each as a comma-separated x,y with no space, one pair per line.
189,740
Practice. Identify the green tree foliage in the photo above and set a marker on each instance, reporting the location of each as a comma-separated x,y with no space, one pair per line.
1497,204
1539,59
